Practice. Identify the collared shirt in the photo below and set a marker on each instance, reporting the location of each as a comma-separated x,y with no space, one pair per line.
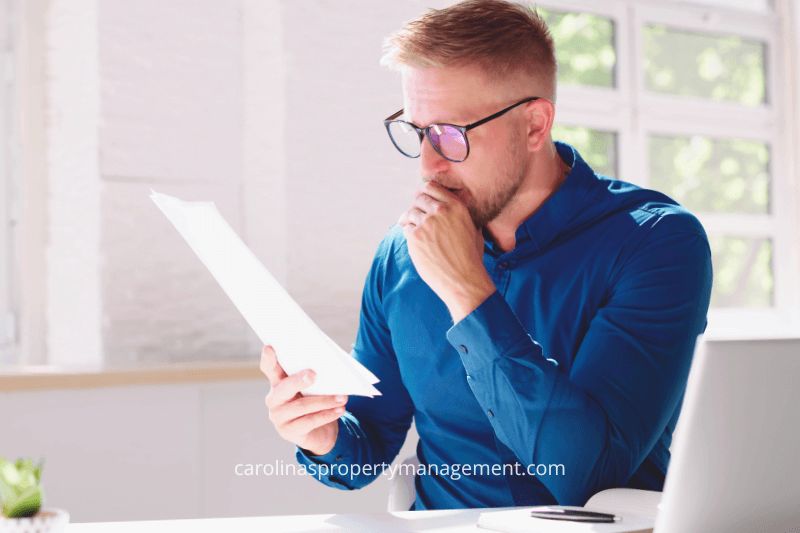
580,358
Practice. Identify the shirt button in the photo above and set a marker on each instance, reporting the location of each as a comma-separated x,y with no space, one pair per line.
490,413
504,265
463,349
469,378
338,457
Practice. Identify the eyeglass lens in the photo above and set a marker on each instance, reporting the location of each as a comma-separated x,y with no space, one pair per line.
446,139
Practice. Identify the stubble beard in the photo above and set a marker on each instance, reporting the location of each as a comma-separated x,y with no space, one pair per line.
509,179
509,183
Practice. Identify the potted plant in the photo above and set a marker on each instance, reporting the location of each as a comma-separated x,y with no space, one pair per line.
21,497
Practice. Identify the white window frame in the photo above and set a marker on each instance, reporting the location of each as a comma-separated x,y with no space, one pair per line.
634,113
7,322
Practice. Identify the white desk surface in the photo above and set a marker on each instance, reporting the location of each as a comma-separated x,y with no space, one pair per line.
439,521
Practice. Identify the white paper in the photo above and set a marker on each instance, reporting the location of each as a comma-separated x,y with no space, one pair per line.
275,317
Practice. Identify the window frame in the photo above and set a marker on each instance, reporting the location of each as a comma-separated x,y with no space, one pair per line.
634,113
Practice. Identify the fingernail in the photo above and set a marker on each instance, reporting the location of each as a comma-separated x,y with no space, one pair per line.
339,399
307,376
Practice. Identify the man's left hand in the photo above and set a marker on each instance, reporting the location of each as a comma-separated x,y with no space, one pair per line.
447,249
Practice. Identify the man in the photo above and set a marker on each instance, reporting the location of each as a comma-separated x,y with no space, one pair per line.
524,310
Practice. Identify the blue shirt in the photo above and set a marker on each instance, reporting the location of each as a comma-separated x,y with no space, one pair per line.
580,358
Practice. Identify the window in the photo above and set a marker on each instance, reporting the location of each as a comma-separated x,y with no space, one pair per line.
6,320
684,98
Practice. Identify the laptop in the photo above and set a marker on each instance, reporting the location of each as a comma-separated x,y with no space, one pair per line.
735,464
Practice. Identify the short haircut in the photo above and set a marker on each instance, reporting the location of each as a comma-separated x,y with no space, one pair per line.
503,38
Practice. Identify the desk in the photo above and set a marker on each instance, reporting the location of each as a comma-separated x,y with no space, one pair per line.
439,521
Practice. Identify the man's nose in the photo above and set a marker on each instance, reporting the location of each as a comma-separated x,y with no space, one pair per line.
431,163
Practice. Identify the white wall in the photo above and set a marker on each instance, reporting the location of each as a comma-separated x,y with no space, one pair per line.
273,109
166,451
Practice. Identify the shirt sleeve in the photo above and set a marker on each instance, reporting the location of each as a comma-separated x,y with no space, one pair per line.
603,418
372,430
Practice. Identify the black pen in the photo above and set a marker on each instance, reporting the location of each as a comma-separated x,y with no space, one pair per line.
575,515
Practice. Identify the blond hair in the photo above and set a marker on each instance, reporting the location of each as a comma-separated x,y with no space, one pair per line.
501,37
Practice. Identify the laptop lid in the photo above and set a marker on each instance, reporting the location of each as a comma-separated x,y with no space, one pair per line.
735,463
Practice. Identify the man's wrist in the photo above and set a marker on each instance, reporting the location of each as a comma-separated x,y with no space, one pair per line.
468,298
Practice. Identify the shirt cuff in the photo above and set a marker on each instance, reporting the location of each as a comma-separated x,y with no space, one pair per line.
489,332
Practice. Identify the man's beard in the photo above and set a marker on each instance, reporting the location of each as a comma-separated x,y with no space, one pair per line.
484,212
509,179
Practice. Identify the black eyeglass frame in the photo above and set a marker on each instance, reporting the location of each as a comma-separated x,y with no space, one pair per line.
425,132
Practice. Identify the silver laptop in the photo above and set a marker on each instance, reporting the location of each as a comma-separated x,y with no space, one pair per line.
735,463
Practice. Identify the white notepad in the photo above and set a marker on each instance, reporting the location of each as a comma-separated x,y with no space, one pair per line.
519,520
638,509
275,317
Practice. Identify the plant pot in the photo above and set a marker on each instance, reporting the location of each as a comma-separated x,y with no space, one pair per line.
45,521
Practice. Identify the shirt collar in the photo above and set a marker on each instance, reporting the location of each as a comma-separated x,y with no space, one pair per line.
555,214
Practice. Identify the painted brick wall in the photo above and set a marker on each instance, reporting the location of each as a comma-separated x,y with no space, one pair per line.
272,109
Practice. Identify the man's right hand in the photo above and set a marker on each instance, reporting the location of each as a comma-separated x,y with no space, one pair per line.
310,422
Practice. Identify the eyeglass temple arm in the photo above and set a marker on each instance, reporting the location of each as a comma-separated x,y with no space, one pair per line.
499,113
393,116
478,123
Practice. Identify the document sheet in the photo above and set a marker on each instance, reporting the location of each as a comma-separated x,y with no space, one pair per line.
272,313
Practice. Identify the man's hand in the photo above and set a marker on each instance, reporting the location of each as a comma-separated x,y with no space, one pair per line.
447,249
310,422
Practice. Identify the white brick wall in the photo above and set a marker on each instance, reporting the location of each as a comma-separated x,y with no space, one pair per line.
272,109
172,120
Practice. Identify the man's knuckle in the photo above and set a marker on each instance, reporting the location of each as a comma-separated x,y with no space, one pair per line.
328,414
295,381
326,403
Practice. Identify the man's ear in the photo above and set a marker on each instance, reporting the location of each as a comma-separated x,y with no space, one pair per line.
539,115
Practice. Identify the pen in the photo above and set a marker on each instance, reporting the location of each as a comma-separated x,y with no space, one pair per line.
576,515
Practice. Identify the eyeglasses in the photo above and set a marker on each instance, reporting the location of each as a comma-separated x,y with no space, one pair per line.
449,140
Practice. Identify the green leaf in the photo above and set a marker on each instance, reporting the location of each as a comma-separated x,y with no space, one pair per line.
26,504
20,488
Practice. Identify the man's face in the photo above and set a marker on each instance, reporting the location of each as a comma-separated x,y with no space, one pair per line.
498,160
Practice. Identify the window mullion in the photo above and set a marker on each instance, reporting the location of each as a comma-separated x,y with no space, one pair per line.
785,192
632,139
